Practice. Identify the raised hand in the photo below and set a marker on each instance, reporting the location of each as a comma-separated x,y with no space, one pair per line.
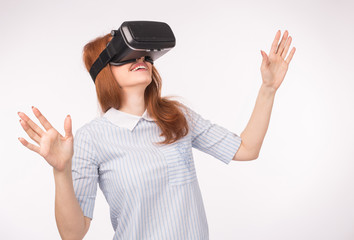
53,147
275,66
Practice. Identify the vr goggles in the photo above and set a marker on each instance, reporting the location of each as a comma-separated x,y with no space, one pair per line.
133,40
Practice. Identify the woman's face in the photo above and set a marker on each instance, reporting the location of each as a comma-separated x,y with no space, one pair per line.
133,74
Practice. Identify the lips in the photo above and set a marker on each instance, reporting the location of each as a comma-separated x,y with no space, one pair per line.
139,64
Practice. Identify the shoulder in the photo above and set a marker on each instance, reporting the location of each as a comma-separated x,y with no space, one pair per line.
186,110
92,126
191,115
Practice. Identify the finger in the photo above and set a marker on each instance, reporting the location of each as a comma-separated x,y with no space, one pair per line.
29,145
68,126
291,54
275,43
34,136
264,59
283,55
282,43
42,119
32,125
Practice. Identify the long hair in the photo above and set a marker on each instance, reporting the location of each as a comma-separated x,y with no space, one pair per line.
167,113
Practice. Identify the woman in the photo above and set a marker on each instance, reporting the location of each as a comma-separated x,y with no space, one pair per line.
140,150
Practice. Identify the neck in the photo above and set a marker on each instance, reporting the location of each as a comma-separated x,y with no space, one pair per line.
133,102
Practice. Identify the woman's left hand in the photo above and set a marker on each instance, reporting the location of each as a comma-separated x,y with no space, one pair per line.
275,66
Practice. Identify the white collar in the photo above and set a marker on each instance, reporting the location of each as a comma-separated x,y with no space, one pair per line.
123,119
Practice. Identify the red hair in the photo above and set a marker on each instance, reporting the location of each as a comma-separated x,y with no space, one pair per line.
167,113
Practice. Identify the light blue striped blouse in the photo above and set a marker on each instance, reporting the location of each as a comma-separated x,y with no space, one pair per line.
152,191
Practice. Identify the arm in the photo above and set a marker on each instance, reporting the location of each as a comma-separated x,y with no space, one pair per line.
76,189
273,70
57,150
254,133
71,222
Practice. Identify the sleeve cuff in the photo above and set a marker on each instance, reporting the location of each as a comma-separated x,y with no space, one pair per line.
233,141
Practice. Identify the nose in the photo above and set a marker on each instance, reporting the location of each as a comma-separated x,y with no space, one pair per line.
140,59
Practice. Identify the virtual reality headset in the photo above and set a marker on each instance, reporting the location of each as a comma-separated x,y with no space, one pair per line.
133,40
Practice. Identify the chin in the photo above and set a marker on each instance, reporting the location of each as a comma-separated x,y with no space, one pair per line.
145,79
141,81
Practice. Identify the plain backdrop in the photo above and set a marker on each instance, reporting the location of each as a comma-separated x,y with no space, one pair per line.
300,187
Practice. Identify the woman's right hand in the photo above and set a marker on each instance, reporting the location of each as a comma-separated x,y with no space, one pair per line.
53,147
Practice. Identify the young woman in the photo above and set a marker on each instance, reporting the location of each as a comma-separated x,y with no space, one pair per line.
140,150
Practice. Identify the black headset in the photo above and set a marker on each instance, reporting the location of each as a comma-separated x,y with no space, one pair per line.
133,40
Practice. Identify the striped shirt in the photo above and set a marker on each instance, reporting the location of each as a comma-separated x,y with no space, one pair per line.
152,190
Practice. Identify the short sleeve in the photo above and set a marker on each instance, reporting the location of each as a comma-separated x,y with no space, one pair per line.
212,138
84,171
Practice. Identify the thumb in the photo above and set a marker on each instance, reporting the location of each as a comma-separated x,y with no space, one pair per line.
265,59
68,126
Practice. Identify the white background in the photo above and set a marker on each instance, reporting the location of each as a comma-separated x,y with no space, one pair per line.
300,187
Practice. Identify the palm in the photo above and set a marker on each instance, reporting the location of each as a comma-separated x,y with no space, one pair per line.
53,147
56,149
275,66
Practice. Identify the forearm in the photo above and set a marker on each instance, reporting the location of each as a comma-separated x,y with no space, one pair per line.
254,133
68,213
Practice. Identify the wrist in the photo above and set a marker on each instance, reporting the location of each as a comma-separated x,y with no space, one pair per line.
65,171
268,91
